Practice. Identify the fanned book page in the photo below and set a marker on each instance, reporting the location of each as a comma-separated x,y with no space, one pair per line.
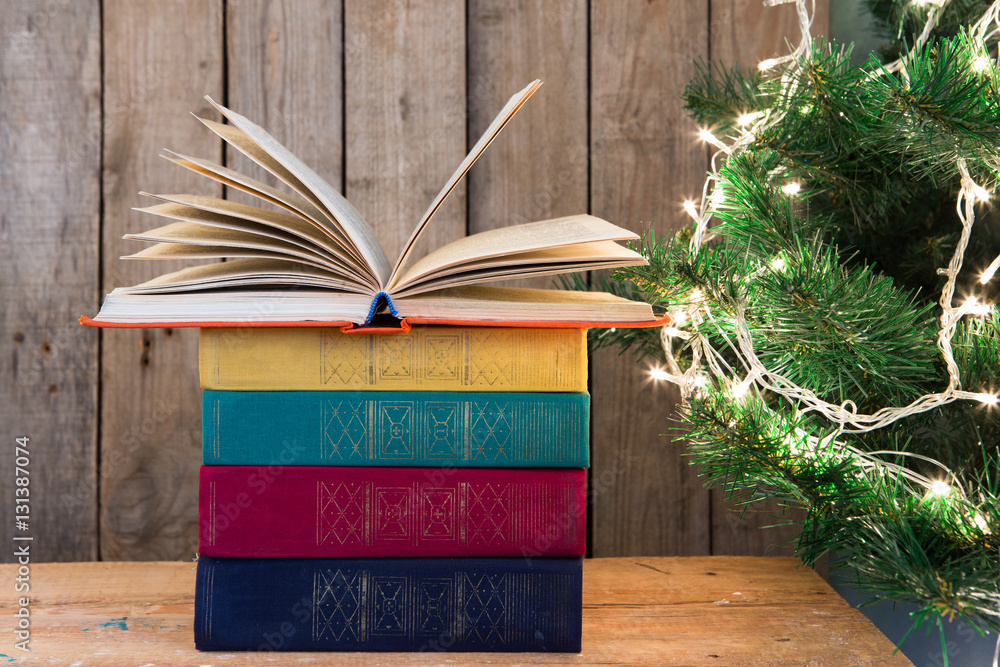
311,256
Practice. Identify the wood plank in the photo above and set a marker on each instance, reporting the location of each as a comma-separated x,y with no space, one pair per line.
50,112
286,74
645,161
538,167
738,612
160,59
405,116
747,32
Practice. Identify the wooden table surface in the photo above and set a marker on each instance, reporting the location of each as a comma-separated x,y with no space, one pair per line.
719,611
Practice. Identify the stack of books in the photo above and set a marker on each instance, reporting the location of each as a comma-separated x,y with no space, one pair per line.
416,487
412,491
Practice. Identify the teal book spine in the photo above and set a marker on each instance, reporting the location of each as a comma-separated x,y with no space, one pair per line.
365,428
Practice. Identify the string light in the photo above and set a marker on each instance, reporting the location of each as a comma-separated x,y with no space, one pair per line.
939,488
972,305
659,374
706,135
990,271
765,65
739,341
740,390
674,332
692,210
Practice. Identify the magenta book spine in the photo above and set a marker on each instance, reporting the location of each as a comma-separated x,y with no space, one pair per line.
320,511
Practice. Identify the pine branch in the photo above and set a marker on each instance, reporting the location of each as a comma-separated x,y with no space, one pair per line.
717,96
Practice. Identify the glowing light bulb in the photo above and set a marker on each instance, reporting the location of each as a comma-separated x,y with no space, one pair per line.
765,65
778,263
697,295
939,488
981,64
658,374
674,332
748,118
990,271
989,399
679,317
706,135
972,305
692,210
982,524
740,390
981,193
792,188
718,196
700,381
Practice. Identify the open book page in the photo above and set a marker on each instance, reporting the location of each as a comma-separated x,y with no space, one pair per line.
233,179
546,268
332,201
184,251
245,273
234,306
491,133
234,215
511,241
330,225
188,233
522,304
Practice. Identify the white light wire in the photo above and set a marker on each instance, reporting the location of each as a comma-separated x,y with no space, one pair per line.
845,415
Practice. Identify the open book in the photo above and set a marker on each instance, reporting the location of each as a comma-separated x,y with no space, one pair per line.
311,256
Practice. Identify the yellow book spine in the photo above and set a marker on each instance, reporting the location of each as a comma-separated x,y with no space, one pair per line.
425,359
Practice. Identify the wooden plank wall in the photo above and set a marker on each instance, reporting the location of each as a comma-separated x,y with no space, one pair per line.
382,98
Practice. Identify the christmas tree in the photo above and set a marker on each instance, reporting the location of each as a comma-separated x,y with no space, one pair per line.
834,337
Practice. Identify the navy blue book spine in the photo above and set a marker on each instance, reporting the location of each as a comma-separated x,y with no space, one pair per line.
389,604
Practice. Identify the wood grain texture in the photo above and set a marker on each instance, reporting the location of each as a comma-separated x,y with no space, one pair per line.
746,32
410,85
50,115
737,612
405,116
160,59
645,161
537,169
286,74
